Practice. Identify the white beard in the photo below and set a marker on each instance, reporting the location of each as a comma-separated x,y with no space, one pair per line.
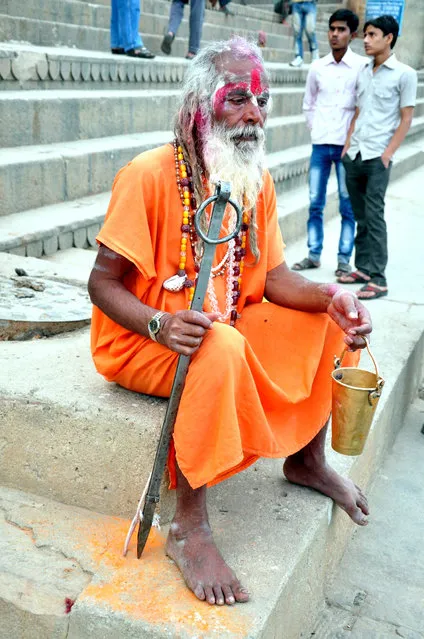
241,164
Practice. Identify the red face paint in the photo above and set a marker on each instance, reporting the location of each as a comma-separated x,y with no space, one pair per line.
255,81
222,93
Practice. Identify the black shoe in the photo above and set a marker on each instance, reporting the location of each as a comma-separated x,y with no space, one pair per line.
225,10
118,51
166,45
142,52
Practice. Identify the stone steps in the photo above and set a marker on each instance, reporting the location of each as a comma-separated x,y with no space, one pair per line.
73,438
65,116
44,33
98,17
32,67
75,223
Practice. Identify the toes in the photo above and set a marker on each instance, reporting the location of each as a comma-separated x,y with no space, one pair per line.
241,594
210,597
199,592
362,503
228,594
219,596
357,515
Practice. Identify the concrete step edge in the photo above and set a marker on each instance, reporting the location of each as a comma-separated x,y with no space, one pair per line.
31,63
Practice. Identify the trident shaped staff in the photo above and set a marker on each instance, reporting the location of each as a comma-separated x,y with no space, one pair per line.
220,198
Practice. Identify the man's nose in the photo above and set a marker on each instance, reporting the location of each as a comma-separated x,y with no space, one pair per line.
252,113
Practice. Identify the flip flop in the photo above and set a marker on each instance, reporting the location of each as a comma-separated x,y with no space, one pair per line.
370,288
342,269
352,278
305,264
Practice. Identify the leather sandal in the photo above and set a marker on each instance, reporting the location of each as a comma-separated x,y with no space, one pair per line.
305,264
343,268
142,52
371,292
167,41
353,278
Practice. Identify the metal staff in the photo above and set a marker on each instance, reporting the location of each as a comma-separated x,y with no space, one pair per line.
221,198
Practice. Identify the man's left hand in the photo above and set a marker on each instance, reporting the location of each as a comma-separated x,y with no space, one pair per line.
386,159
352,317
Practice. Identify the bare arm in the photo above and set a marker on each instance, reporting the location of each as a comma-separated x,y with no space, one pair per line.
406,115
182,332
350,131
287,288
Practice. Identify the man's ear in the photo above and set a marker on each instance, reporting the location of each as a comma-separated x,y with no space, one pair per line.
389,37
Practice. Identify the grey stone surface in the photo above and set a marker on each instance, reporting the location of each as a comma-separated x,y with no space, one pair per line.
50,245
34,249
80,238
66,240
380,581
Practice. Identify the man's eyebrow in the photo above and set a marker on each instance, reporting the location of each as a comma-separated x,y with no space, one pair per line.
238,91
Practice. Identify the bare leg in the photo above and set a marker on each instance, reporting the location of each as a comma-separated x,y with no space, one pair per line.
309,468
190,544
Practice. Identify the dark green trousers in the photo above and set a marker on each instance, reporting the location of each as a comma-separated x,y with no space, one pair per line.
366,182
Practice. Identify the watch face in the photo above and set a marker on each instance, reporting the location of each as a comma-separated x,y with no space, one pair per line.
154,325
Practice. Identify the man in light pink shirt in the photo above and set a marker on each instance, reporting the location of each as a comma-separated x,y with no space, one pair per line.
329,106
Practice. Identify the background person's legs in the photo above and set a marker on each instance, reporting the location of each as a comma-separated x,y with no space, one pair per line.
356,183
319,172
115,36
124,23
378,180
197,14
175,16
310,9
298,25
347,232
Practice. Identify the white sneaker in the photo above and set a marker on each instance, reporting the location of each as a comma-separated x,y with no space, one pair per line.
315,55
297,62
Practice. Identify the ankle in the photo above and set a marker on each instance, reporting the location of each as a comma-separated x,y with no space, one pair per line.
181,529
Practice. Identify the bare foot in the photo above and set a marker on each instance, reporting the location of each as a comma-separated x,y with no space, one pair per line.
202,566
343,491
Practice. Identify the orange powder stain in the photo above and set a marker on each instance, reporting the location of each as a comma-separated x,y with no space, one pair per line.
151,590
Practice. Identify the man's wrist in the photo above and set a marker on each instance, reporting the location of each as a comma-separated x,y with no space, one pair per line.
156,324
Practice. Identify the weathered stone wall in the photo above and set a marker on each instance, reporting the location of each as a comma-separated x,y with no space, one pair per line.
410,46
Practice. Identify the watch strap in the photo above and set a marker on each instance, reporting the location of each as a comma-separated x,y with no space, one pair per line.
157,316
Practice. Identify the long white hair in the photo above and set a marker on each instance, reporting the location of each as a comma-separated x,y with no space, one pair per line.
207,146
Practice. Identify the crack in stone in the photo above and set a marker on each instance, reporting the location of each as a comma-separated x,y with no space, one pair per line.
29,530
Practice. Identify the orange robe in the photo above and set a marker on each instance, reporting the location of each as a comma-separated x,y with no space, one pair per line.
262,388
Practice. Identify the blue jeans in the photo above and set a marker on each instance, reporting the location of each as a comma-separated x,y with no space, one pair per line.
304,18
197,14
124,25
323,155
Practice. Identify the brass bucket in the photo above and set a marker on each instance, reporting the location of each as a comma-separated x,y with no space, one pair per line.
355,397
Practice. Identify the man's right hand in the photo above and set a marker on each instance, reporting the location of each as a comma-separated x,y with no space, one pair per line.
184,331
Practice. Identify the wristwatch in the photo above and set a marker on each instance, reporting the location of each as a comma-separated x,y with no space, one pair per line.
154,325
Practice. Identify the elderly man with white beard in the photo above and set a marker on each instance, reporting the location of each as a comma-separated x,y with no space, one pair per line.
261,351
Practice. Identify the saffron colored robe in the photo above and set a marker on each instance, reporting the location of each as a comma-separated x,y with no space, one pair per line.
261,388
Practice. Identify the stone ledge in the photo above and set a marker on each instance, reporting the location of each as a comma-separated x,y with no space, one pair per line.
25,63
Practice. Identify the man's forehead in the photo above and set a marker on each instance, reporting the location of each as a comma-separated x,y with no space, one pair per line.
245,69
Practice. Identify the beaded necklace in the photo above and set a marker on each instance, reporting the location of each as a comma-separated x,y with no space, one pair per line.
232,263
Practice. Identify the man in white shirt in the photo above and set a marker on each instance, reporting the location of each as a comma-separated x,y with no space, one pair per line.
387,92
329,106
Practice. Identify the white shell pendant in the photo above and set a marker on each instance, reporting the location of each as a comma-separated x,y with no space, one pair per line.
174,283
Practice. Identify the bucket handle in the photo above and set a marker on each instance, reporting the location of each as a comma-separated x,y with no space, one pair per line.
375,394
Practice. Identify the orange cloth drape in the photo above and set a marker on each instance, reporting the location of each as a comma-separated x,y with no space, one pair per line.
260,389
